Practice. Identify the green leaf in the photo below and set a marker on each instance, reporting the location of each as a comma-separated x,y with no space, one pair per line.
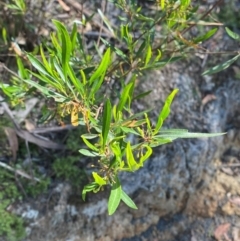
22,71
74,37
116,50
149,128
143,18
173,131
206,36
96,85
146,155
49,80
129,130
141,48
4,35
59,72
45,62
162,63
128,201
115,197
148,55
221,66
37,64
159,141
165,111
107,116
46,91
66,45
232,34
90,145
89,188
132,164
102,67
162,3
106,21
84,80
185,3
185,134
90,136
76,82
86,152
124,96
99,180
116,149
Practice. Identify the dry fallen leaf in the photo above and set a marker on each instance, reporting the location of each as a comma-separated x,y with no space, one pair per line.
236,234
27,135
64,5
208,98
193,238
221,230
227,170
29,125
235,200
21,114
13,140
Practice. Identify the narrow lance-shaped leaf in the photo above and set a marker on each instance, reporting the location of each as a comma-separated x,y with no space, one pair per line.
86,152
102,67
45,62
149,128
106,21
76,82
37,64
46,91
99,180
131,90
146,155
115,197
162,3
89,144
124,96
49,80
84,80
89,188
96,85
206,36
232,34
132,164
66,45
90,136
128,201
107,116
165,111
148,55
142,95
184,134
22,71
116,50
221,66
74,37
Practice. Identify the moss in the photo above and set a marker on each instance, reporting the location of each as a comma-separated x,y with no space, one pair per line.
68,169
11,226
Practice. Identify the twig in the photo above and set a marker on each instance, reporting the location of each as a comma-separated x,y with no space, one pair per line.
51,129
231,165
27,135
19,172
96,21
203,16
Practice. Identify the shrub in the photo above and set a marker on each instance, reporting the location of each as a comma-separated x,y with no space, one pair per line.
79,81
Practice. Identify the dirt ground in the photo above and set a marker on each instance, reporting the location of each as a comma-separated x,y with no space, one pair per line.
188,191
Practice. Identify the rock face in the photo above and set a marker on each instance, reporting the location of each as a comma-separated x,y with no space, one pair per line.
183,192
